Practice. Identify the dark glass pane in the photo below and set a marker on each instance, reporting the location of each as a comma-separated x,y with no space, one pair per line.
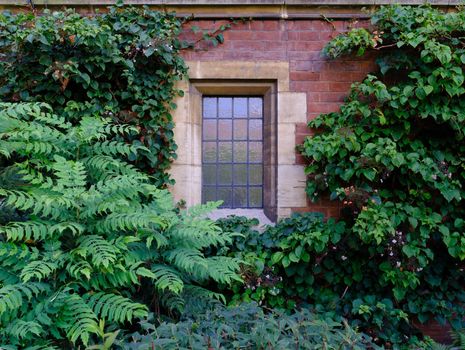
255,129
255,151
240,174
255,174
225,129
240,107
240,197
255,197
225,107
224,194
240,152
209,193
209,174
255,107
209,152
224,174
209,107
209,129
225,152
240,129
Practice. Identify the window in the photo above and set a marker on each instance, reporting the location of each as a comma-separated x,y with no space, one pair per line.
232,150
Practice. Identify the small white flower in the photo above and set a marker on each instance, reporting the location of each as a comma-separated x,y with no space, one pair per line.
394,241
391,254
434,177
343,258
398,264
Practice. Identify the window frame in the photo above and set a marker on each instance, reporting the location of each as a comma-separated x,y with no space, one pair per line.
266,89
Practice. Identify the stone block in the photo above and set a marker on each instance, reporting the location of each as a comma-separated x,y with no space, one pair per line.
292,107
291,186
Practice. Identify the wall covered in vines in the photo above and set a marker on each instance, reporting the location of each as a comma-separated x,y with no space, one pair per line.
123,64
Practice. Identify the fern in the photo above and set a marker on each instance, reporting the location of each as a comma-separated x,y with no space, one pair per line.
90,238
167,278
114,307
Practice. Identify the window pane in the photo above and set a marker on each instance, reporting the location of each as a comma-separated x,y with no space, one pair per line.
209,107
209,152
240,174
255,197
225,152
225,129
255,129
209,174
240,152
225,107
240,107
232,147
240,197
240,129
255,174
224,194
209,129
208,193
225,174
255,107
255,152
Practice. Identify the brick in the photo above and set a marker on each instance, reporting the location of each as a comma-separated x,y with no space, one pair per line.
238,35
301,65
249,45
256,25
332,97
303,36
304,76
275,46
323,107
271,25
262,35
305,46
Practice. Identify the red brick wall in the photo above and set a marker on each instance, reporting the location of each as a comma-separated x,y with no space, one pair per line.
300,42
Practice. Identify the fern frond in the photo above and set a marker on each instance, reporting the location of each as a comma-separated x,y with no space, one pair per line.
77,318
27,230
224,269
11,296
130,221
197,292
114,148
167,278
38,270
102,252
114,307
190,260
23,329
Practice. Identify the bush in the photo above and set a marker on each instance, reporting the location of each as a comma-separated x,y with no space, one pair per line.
248,327
394,155
123,64
91,242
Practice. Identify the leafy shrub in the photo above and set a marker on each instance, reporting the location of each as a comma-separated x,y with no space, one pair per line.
248,327
394,155
123,64
92,242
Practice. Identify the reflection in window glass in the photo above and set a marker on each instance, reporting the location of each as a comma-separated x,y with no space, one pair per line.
232,151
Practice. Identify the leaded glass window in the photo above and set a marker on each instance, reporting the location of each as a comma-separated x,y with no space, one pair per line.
232,151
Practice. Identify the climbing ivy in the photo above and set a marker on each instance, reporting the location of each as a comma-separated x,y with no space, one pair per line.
394,155
123,64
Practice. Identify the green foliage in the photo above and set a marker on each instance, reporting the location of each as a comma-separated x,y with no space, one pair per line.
248,327
92,242
394,156
123,64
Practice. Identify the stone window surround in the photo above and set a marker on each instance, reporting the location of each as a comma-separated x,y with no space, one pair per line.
284,180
